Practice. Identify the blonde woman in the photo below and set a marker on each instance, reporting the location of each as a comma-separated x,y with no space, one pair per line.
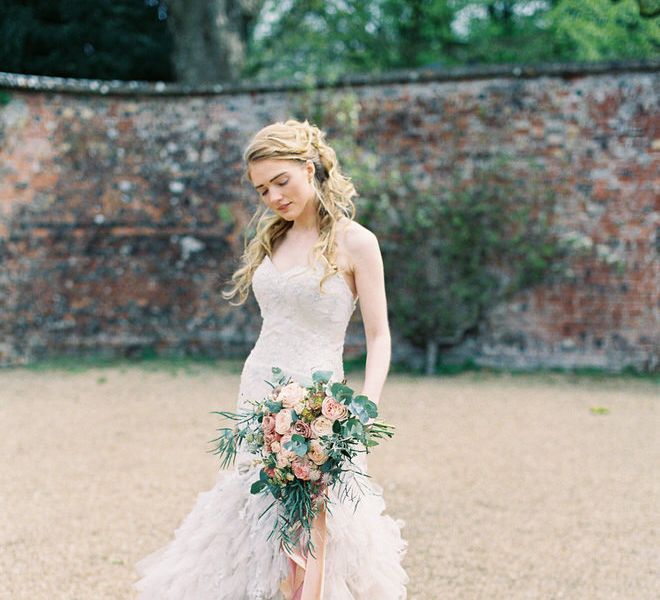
307,264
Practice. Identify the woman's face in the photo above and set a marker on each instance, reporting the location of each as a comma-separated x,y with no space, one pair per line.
284,185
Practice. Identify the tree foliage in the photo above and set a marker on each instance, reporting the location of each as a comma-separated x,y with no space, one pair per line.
310,39
207,41
105,39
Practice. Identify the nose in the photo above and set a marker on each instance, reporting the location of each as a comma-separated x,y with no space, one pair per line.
274,194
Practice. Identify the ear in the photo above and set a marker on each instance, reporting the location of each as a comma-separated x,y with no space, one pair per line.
310,168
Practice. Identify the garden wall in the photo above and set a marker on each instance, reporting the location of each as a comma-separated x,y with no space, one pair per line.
121,205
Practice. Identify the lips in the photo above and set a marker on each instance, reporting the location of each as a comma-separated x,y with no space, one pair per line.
284,207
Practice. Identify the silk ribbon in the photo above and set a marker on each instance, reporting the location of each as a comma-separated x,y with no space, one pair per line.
306,577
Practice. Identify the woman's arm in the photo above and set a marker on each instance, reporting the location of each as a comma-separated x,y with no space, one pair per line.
363,248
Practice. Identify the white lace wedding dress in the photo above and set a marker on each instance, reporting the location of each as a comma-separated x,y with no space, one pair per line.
221,550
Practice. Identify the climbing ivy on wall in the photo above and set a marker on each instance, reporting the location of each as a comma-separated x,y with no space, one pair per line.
454,247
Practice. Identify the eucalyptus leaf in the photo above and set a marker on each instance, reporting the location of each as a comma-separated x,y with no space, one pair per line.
298,445
273,407
341,391
369,406
321,376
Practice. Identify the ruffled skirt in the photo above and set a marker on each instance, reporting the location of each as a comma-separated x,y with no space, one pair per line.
221,550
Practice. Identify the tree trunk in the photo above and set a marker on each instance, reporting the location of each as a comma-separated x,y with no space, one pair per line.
210,38
431,356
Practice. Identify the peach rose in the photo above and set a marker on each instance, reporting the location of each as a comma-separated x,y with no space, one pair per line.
268,424
283,421
321,426
333,410
269,440
316,453
275,446
282,460
293,396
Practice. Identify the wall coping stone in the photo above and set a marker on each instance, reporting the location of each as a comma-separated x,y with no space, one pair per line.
40,83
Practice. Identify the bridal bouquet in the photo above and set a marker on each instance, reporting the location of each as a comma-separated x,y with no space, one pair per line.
304,439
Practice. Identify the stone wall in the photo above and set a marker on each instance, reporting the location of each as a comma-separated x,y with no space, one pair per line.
122,203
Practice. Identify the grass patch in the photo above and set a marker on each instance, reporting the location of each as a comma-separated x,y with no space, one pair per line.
147,360
175,365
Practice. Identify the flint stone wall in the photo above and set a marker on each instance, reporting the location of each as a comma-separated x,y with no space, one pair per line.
122,203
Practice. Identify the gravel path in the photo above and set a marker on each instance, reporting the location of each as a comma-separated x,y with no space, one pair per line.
511,487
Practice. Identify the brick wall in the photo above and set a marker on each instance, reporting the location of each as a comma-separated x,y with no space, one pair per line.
121,206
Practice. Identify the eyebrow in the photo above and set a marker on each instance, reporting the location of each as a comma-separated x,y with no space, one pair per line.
271,179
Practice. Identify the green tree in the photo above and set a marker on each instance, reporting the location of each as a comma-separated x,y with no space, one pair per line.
602,29
309,39
105,39
526,31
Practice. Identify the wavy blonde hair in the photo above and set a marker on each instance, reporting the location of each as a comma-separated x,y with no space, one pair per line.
297,141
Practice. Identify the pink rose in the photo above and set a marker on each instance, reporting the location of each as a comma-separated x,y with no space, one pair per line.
302,468
302,428
283,421
268,424
269,439
292,396
282,459
333,410
316,453
321,426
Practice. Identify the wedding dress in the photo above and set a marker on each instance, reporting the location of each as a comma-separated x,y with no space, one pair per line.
221,551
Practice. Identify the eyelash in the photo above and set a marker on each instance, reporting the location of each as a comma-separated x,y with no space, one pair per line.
284,182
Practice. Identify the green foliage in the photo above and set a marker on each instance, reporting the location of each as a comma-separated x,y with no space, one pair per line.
452,255
602,29
307,40
459,244
105,39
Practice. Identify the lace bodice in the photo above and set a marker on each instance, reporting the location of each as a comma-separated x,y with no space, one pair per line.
303,328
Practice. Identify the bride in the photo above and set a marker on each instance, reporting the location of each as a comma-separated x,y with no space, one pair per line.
307,264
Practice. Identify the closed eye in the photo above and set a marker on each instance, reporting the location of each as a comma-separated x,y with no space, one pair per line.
282,183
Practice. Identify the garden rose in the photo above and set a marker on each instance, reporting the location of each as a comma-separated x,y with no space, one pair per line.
302,428
282,459
321,426
269,439
268,424
283,421
333,410
316,453
293,396
302,468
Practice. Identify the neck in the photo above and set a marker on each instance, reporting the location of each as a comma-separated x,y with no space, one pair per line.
307,221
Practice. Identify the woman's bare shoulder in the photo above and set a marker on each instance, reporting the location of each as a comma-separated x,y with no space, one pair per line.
355,240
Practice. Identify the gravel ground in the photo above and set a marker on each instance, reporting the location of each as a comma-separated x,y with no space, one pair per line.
512,487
